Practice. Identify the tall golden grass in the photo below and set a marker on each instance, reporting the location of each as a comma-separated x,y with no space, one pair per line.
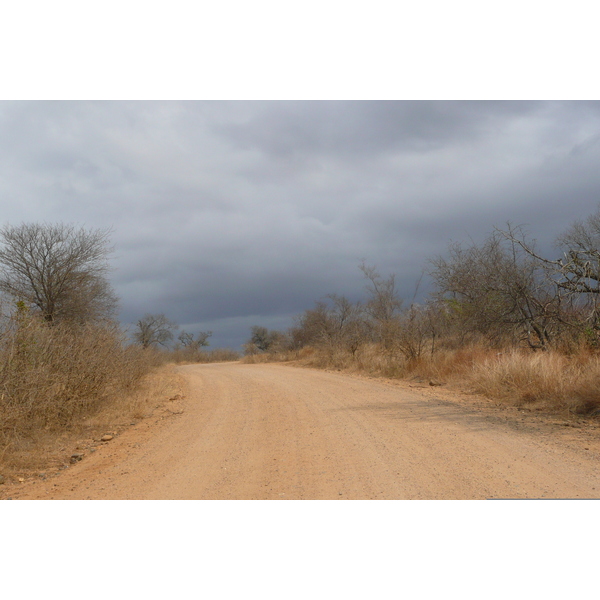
549,379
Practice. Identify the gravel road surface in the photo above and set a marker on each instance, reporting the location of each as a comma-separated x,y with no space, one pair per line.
280,432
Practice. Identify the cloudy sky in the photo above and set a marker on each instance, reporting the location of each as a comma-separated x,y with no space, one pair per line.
231,214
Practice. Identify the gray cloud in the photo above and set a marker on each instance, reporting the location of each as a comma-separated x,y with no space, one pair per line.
365,129
229,214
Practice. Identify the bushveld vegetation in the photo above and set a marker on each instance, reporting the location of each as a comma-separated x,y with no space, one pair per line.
54,378
513,324
65,363
63,358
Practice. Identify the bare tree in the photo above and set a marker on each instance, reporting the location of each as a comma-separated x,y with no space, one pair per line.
188,340
415,331
154,330
264,340
347,324
311,327
383,307
580,263
576,273
60,269
497,289
335,323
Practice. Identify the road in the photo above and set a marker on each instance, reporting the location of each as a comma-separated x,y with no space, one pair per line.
270,431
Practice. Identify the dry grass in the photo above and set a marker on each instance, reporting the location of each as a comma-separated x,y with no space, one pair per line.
550,381
49,451
451,364
369,358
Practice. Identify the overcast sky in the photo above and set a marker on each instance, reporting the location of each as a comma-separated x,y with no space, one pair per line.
231,214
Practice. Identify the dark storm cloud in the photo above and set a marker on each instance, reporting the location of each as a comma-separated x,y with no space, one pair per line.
229,214
288,129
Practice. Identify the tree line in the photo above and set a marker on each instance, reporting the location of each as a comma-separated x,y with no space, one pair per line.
501,292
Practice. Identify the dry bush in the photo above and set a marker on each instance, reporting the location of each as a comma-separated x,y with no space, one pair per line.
367,358
193,355
48,451
154,387
269,357
53,377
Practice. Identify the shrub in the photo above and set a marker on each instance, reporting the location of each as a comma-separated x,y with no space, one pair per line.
53,376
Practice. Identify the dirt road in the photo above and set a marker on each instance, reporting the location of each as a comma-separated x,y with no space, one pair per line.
279,432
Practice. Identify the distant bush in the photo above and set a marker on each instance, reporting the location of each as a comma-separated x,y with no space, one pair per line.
195,355
264,340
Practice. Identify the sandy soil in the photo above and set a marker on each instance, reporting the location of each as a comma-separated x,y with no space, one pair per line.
279,432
